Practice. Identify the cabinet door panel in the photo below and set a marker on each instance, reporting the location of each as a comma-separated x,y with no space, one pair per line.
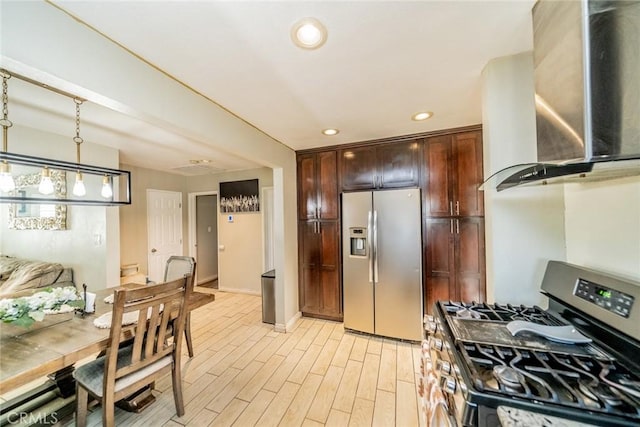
309,257
307,192
398,164
470,250
330,293
469,289
358,167
437,290
329,238
467,152
438,176
330,267
439,247
439,260
327,185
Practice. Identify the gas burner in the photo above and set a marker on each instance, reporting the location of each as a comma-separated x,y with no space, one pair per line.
597,391
498,312
467,313
509,377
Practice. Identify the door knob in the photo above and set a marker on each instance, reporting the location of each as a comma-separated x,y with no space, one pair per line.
154,250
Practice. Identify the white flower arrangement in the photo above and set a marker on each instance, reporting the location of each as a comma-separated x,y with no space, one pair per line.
26,310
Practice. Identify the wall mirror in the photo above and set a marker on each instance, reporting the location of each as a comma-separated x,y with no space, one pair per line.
25,216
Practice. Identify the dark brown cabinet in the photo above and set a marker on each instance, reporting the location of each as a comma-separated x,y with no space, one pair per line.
454,260
319,265
453,175
318,186
446,165
389,165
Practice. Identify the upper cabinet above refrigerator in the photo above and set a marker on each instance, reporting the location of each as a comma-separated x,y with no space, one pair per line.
381,166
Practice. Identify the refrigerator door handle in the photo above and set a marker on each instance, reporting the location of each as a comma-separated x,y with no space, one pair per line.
370,246
375,246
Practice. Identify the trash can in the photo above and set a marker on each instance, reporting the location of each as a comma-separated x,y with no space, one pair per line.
269,297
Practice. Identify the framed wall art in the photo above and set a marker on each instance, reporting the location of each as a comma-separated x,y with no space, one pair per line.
240,196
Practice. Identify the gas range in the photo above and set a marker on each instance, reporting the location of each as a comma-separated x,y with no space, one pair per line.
578,360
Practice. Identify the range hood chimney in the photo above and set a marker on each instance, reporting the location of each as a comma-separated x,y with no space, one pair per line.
587,82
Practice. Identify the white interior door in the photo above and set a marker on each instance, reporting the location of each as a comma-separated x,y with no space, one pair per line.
164,229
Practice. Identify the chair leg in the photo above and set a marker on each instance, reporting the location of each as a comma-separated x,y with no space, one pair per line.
108,411
187,335
176,379
82,401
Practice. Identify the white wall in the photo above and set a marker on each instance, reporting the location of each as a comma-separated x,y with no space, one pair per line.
595,225
42,42
524,226
240,263
603,226
91,243
240,255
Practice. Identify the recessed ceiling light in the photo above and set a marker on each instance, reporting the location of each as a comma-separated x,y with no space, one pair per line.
308,33
330,132
422,115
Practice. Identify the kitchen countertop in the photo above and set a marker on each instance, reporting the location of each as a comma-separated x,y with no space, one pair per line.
512,417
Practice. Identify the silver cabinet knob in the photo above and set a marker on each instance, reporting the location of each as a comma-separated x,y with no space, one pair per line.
154,250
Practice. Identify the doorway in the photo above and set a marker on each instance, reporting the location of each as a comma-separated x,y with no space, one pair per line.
203,237
164,229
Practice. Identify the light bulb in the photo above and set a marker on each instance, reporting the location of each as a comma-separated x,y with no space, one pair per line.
46,185
78,187
106,192
308,33
6,180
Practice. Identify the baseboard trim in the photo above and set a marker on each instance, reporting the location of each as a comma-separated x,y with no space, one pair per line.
240,291
279,327
211,278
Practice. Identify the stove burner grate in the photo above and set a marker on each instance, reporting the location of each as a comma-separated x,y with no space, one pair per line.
499,312
581,382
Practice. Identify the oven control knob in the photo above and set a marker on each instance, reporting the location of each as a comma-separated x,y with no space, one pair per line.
431,327
445,367
448,384
456,370
436,344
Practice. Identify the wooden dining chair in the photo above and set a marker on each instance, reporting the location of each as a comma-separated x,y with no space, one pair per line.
154,350
178,266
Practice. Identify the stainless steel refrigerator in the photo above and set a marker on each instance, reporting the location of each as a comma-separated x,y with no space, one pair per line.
382,263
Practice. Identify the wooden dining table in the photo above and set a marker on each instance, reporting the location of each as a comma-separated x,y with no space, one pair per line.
58,347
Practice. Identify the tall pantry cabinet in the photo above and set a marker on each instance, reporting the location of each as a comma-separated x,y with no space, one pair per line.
454,255
320,293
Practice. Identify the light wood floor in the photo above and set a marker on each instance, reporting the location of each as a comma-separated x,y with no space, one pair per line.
243,373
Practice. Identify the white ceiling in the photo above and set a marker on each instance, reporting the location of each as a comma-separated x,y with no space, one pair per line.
382,62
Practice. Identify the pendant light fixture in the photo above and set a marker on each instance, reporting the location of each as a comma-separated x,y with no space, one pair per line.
78,188
46,184
107,190
7,183
94,185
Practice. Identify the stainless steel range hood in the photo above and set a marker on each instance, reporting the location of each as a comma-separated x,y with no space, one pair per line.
587,83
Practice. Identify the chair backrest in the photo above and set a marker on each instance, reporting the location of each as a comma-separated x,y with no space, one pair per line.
178,266
155,307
